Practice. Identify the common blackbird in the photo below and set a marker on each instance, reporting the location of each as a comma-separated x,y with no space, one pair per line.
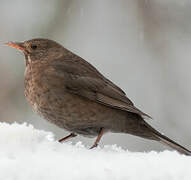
66,90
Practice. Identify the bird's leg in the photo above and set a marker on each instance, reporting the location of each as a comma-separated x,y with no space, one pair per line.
98,138
67,137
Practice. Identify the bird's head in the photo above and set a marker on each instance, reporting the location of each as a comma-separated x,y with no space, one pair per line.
38,49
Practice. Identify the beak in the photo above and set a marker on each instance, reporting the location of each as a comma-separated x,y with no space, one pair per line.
17,45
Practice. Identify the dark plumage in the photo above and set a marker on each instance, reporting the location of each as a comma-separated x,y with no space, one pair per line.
69,92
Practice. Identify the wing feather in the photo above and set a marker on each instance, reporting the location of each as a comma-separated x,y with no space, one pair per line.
81,78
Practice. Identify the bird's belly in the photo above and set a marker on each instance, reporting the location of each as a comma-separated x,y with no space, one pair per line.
76,114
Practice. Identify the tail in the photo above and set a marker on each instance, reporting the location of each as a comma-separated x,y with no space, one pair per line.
167,141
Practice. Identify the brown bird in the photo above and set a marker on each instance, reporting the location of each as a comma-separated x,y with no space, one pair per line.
68,91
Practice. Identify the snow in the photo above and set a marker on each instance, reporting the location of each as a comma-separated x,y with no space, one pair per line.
30,154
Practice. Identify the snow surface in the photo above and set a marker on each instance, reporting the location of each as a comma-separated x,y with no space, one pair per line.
30,154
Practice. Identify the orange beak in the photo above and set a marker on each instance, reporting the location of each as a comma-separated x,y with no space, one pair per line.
16,45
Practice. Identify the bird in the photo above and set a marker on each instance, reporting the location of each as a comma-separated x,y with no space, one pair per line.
69,92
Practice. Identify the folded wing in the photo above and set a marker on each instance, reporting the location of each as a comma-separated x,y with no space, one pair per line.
81,78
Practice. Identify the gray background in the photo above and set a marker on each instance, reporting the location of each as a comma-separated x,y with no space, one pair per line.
144,46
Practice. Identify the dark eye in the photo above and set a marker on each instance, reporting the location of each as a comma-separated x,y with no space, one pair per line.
33,46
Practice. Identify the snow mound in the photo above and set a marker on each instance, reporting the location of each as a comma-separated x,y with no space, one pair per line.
30,154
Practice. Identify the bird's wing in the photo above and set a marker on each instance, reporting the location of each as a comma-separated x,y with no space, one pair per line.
81,78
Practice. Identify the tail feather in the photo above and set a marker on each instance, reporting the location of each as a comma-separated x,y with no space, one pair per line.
167,141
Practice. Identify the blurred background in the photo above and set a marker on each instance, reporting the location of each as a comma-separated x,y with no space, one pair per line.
144,46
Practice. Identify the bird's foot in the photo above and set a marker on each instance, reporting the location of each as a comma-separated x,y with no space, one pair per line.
94,146
67,137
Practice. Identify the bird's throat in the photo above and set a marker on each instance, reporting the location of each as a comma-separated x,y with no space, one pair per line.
27,59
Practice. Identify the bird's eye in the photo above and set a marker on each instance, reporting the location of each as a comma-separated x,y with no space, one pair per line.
33,46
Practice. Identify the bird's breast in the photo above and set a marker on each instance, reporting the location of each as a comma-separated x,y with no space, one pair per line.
43,92
34,86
